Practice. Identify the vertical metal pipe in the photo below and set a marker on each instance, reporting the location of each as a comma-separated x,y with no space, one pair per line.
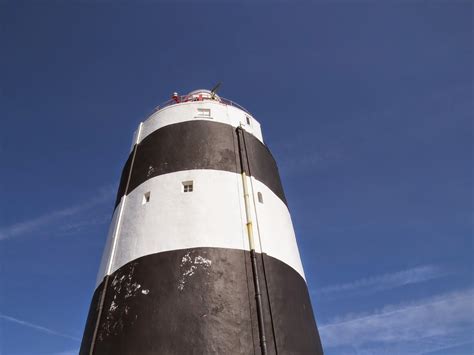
253,257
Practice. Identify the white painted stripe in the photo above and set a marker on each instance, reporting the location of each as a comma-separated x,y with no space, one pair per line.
188,111
136,136
104,264
212,215
277,236
116,234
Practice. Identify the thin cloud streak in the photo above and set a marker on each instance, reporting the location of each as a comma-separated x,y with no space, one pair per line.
36,223
432,324
386,281
37,327
75,227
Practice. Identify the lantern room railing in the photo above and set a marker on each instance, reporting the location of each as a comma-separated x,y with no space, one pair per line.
192,98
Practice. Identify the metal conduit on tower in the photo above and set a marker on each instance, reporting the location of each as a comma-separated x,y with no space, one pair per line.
185,269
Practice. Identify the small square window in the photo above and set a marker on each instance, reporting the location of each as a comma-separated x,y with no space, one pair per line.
146,197
260,197
204,112
248,119
187,186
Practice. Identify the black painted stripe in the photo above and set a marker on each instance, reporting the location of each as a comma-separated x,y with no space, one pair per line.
201,301
198,144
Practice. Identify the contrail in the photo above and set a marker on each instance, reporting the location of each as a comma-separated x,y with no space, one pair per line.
37,327
103,195
387,281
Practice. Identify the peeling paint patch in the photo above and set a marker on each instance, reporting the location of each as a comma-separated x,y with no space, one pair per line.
150,171
113,307
200,260
123,288
132,290
186,259
191,265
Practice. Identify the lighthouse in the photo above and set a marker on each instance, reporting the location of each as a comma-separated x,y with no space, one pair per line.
201,256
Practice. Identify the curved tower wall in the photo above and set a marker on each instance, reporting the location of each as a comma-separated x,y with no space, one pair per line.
177,274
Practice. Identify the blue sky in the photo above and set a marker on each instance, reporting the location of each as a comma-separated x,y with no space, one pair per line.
366,106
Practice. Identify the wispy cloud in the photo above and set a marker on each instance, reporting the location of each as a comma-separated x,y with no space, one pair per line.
77,226
386,281
37,327
436,323
103,195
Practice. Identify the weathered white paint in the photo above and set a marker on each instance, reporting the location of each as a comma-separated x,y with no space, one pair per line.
116,234
213,215
104,264
188,111
275,228
136,135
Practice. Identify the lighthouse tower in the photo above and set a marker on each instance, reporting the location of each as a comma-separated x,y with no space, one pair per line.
201,255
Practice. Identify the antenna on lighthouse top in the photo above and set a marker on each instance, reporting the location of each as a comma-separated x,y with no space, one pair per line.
215,88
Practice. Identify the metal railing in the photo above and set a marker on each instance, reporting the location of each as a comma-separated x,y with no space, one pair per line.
187,98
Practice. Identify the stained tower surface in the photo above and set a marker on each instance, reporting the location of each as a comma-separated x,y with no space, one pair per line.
201,255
